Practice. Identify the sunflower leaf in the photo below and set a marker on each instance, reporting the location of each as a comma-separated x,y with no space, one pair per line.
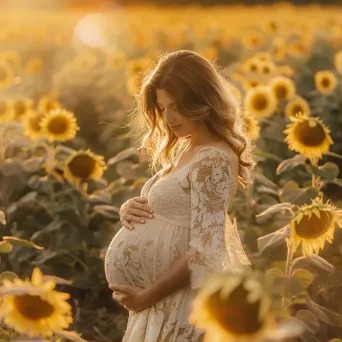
71,335
5,247
309,319
57,280
323,314
277,208
8,275
329,171
315,262
304,277
273,240
21,242
292,193
121,156
289,164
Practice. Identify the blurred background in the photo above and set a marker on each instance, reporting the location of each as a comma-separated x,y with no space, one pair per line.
83,60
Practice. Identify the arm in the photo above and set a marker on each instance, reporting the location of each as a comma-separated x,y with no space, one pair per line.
212,184
174,279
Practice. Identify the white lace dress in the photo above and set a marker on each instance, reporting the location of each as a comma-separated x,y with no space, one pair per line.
190,206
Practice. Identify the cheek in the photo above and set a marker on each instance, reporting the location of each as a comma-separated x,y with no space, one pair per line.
187,124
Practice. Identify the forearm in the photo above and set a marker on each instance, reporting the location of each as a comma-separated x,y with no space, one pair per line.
175,278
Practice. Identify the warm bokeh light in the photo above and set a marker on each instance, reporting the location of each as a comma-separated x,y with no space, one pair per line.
100,30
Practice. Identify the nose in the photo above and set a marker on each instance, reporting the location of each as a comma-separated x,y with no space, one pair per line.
169,117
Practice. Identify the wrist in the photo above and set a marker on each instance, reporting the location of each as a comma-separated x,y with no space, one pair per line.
149,295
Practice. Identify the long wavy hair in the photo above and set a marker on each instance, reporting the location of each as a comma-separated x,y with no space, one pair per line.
202,94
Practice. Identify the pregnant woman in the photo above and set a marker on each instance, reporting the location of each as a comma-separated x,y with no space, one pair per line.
195,134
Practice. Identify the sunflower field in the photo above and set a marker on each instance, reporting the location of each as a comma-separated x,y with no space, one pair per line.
69,159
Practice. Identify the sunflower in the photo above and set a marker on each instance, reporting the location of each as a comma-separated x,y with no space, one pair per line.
12,58
267,68
308,136
33,308
59,125
83,165
31,123
338,62
22,106
6,110
252,65
251,84
6,75
314,224
297,105
34,66
282,87
48,103
261,101
235,307
325,81
252,127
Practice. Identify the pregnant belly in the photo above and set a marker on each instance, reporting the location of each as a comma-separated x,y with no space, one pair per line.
138,257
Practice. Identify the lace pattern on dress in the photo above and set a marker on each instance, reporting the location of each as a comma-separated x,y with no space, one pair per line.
212,187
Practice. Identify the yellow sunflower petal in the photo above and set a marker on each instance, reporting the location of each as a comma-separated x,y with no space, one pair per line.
326,82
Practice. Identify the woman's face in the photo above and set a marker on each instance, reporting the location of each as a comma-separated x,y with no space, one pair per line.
180,125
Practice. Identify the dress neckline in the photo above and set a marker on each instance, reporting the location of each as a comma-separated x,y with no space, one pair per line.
187,163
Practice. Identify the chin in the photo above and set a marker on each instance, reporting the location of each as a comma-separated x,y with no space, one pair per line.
180,134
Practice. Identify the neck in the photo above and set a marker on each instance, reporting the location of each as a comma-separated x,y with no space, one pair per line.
201,136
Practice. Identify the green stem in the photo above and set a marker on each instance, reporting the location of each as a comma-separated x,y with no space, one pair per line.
50,159
288,266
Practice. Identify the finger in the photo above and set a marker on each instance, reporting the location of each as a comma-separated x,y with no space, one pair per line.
134,218
141,213
118,297
140,199
120,288
128,225
144,207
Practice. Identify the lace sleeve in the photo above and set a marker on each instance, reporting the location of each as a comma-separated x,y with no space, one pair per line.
212,235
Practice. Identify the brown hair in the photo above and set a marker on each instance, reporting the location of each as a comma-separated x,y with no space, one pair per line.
201,93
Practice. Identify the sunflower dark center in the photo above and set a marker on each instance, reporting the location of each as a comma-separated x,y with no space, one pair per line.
235,314
33,307
326,82
309,136
296,109
58,125
266,70
259,102
82,166
253,67
281,91
314,227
